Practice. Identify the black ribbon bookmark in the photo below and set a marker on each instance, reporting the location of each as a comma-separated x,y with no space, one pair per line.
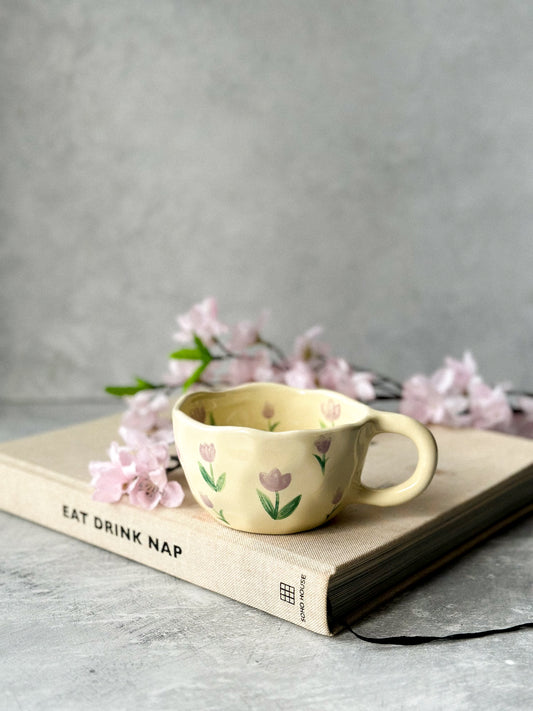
424,639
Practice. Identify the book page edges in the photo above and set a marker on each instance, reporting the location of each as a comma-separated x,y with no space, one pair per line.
434,567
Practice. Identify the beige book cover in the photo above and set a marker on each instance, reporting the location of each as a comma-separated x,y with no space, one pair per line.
317,579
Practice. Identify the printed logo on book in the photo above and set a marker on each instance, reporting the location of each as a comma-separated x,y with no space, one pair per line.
125,532
287,593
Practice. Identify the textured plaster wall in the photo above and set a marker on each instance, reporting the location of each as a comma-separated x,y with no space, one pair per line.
363,165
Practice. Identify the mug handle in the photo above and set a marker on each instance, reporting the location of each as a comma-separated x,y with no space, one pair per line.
391,422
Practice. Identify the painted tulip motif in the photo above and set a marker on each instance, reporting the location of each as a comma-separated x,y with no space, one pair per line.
268,410
268,413
331,411
275,482
322,445
206,501
335,501
208,453
210,505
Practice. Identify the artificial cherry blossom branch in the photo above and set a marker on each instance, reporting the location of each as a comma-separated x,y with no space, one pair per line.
216,355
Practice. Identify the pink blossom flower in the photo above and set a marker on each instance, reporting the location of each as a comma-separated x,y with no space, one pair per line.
241,370
338,375
144,493
331,410
300,375
122,457
172,495
146,451
275,480
430,400
463,371
138,470
363,388
264,371
151,486
179,370
257,368
456,396
488,406
111,478
307,347
208,451
335,375
202,321
108,480
149,490
246,333
149,412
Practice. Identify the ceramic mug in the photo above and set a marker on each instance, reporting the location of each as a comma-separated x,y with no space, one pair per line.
268,458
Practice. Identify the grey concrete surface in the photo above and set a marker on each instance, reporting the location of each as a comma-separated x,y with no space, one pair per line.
363,165
83,629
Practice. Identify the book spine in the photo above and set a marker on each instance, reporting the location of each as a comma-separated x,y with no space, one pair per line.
190,548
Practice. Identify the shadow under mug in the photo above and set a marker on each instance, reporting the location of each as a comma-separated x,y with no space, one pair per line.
268,458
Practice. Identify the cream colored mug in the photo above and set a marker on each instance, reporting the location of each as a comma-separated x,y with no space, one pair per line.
268,458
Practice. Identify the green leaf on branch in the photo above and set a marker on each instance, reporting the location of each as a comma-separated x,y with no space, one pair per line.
144,384
195,377
126,390
123,390
201,352
187,354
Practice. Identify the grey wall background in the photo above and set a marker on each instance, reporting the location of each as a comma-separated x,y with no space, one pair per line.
363,165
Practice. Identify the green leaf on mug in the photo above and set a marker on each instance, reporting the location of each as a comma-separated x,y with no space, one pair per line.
267,504
206,477
290,507
322,461
221,516
220,482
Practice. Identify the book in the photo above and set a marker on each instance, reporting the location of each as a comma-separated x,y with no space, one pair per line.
320,579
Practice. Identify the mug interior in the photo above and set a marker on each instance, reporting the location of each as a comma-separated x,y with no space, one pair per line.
273,408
